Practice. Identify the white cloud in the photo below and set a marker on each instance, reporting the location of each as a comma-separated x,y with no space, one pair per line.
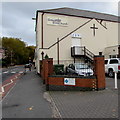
112,8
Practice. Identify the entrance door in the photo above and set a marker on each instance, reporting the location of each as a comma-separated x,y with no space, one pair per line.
76,42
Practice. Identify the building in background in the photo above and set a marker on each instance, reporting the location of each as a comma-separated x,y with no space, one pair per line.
67,35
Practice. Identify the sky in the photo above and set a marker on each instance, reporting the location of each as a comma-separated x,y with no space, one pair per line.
16,17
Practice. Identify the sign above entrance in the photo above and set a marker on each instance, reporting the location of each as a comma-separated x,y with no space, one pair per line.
69,81
53,20
76,35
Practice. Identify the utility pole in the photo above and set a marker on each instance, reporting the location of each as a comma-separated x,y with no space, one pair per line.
58,50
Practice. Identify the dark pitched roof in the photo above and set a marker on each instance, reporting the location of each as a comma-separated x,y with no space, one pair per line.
81,13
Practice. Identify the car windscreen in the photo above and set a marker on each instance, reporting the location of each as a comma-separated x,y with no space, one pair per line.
83,66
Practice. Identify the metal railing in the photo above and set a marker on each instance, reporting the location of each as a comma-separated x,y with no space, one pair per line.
82,51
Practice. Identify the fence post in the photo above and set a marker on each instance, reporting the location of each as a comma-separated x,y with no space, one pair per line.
99,72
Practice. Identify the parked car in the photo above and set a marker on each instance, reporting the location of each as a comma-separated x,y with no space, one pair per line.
112,65
79,69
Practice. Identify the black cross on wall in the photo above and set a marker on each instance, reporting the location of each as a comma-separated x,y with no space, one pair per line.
94,29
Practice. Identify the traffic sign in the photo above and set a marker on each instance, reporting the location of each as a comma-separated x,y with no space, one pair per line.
69,81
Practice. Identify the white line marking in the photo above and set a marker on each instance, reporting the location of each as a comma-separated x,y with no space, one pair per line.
5,72
21,72
2,88
8,83
13,78
9,92
13,72
10,88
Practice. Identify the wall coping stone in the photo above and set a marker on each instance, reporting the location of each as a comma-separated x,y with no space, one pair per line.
67,76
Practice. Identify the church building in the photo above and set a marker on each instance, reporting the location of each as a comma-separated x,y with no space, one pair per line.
66,34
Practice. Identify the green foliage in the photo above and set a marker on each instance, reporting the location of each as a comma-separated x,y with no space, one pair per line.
31,50
16,51
46,56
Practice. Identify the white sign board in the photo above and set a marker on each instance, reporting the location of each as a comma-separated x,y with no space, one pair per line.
69,81
76,35
53,20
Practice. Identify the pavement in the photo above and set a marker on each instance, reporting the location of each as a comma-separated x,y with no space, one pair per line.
28,99
89,104
102,104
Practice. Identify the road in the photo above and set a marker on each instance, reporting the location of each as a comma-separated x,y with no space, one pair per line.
9,77
8,72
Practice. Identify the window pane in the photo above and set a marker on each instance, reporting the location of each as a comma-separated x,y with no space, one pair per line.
114,61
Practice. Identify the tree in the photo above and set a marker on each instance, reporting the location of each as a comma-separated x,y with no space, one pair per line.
16,51
31,51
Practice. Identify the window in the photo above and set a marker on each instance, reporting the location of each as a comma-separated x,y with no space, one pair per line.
73,67
106,61
114,61
70,65
113,56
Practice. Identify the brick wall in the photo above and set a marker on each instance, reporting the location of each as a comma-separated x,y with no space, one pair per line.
55,82
46,69
100,72
95,82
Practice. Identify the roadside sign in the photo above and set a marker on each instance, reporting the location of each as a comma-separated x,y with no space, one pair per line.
69,81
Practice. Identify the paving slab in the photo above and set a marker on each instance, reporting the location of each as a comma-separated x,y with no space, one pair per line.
89,104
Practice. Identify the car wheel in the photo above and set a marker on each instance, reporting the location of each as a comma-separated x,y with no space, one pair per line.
111,73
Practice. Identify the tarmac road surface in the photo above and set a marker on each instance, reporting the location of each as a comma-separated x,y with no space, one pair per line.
26,99
7,72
